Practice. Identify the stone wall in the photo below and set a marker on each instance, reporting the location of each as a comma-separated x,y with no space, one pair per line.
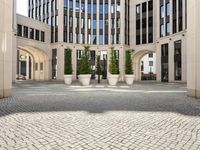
6,38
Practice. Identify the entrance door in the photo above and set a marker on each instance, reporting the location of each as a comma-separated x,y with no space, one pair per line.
92,63
164,63
23,68
103,64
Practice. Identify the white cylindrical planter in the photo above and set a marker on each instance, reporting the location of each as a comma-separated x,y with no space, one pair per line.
129,79
113,79
85,79
68,79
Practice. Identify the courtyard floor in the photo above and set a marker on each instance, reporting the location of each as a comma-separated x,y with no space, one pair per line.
53,116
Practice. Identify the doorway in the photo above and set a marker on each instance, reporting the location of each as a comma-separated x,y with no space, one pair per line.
164,63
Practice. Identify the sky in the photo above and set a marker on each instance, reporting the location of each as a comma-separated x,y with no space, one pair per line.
22,7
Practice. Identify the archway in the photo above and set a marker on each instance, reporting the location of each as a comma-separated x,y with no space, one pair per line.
137,57
32,63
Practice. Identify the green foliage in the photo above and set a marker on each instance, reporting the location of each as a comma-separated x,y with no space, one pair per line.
84,63
128,65
68,61
113,68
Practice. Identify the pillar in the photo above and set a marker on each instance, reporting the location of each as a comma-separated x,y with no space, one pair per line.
193,46
6,35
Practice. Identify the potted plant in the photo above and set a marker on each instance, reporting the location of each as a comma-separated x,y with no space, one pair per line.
113,69
129,76
68,66
84,69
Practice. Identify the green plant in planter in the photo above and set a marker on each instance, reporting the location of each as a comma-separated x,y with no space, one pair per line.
68,61
128,64
84,63
113,68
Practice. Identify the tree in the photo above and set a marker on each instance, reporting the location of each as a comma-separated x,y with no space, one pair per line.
113,68
84,63
68,61
128,65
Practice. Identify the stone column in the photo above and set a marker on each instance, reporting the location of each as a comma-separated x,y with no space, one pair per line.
193,46
60,63
14,55
158,62
6,36
171,61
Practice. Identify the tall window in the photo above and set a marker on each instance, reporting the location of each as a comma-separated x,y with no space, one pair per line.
162,15
144,23
31,33
19,30
150,21
37,35
167,17
180,15
42,36
25,32
177,61
174,5
138,22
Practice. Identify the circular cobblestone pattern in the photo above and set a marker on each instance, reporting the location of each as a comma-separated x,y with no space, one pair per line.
53,116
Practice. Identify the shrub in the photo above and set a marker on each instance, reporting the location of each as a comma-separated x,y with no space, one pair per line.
128,65
68,61
113,68
84,63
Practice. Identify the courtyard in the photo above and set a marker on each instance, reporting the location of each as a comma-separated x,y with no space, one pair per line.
53,116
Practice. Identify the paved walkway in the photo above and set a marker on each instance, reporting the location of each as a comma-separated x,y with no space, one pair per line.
146,116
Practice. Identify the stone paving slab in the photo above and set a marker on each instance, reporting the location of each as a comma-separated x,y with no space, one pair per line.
53,116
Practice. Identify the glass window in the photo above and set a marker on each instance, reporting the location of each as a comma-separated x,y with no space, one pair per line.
31,33
168,29
106,9
112,8
100,24
177,61
168,9
162,31
83,6
138,9
70,4
162,14
25,32
101,39
89,8
94,24
42,36
101,8
77,5
151,55
65,3
94,8
19,30
37,37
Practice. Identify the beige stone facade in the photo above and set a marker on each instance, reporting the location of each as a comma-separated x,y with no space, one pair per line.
6,38
122,44
40,52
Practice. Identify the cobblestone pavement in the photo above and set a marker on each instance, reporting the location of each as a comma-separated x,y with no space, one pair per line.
146,116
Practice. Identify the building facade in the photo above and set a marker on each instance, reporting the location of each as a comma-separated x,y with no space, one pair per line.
145,26
76,23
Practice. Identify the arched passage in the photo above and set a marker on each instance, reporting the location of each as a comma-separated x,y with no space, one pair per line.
32,63
138,55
